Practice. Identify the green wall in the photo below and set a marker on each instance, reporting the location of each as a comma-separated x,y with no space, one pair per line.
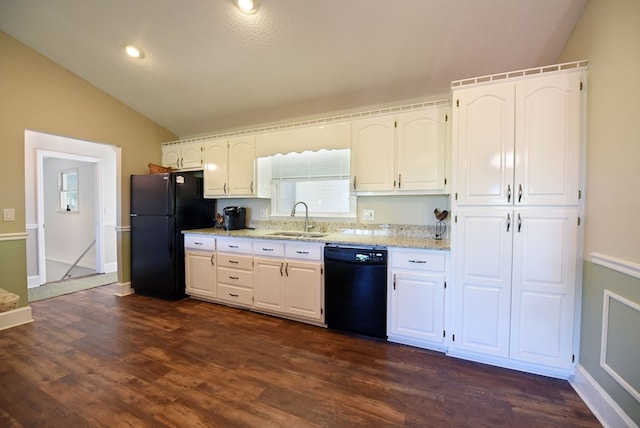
624,323
13,268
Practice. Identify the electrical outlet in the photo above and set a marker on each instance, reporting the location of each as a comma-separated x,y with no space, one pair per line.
367,215
264,213
9,214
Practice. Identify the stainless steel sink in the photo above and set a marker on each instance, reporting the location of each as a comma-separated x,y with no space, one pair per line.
296,234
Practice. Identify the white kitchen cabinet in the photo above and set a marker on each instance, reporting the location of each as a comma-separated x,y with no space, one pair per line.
288,279
372,154
517,151
184,156
200,266
544,282
229,167
416,295
268,280
303,289
402,153
518,143
482,252
235,271
515,283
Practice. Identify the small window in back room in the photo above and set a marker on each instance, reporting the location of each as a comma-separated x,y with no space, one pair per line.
68,184
320,179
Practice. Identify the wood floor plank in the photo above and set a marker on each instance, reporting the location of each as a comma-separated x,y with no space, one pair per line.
92,359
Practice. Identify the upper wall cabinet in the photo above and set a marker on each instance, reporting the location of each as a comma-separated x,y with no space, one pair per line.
403,153
182,156
518,143
229,167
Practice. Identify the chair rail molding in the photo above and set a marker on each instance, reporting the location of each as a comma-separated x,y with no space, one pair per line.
619,265
13,236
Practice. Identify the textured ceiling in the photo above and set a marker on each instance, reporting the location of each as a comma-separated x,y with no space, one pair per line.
208,67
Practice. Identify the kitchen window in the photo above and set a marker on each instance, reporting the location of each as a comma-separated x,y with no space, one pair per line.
320,179
68,184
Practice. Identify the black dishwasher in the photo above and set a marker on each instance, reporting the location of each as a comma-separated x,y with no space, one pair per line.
356,289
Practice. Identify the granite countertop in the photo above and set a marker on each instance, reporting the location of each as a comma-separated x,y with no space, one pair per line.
347,237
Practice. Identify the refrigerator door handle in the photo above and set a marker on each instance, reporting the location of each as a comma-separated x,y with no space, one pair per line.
170,235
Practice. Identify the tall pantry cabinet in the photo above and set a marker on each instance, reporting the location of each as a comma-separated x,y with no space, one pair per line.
517,202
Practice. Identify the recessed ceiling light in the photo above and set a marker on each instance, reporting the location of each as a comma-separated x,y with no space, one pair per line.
247,6
134,52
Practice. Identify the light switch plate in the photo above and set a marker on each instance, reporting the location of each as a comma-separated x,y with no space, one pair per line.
264,214
9,214
367,215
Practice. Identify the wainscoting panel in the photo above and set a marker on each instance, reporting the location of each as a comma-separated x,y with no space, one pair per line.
619,356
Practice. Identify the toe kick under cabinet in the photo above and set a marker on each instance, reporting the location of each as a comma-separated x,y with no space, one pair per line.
416,291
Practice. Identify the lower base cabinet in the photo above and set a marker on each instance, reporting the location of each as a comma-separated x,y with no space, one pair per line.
416,291
515,287
285,285
200,266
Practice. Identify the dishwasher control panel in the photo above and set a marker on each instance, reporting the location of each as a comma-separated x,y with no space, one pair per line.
375,256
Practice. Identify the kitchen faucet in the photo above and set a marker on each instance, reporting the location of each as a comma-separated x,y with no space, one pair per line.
306,215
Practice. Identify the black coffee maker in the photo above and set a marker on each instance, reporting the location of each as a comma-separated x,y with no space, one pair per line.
234,218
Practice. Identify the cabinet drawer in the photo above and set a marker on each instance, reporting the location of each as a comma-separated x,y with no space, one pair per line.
268,248
234,245
237,277
200,242
418,260
233,294
303,251
235,261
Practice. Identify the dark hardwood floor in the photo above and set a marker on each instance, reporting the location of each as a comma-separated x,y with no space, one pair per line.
91,359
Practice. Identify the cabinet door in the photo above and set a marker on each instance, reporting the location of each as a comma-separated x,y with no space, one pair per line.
242,157
483,250
303,289
268,284
417,306
544,274
421,150
483,135
215,168
200,274
372,154
171,156
547,140
191,156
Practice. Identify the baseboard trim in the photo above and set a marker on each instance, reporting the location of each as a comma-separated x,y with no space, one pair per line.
123,289
596,398
15,317
33,281
110,267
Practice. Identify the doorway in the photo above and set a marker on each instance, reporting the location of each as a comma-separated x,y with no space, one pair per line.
60,236
69,205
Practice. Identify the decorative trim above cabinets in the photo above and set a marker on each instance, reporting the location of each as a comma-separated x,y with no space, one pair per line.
312,122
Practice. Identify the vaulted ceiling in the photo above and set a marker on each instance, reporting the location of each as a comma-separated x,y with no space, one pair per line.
208,67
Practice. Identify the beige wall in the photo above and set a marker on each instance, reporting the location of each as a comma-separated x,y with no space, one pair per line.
39,95
608,35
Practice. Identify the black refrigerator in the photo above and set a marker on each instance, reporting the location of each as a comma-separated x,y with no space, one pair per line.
162,205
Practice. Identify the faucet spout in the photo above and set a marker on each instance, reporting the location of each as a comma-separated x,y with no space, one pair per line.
306,214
